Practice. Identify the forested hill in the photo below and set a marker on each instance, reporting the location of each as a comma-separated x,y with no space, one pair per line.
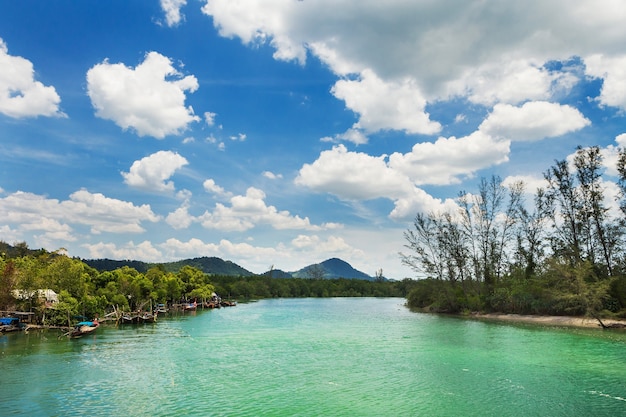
329,269
208,265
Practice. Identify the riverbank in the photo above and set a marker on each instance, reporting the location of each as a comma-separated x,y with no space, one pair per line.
560,321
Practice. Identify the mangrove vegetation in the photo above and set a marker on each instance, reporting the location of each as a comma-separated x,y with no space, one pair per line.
82,291
559,252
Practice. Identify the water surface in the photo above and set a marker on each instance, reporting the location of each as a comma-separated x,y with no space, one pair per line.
316,357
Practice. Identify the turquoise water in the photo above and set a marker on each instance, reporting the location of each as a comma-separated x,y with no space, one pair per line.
315,357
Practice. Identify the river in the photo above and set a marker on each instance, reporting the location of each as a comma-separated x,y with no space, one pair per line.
315,357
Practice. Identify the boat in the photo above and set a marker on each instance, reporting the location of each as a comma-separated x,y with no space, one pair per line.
147,317
83,328
160,308
10,324
190,306
129,318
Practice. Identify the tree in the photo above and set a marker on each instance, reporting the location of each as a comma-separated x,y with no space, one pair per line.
316,271
488,220
8,278
425,255
601,234
530,237
566,206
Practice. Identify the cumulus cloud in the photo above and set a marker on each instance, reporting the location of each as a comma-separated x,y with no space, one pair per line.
56,220
211,187
180,218
144,251
245,212
173,16
386,105
152,172
533,121
209,118
511,82
358,176
353,175
270,175
419,201
613,70
250,210
416,53
447,159
176,249
149,99
20,94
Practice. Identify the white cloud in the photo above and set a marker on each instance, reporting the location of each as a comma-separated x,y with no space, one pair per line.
419,201
531,182
209,118
20,94
610,154
151,172
239,137
253,24
532,121
613,70
180,218
270,175
245,212
250,210
353,176
172,11
32,212
333,245
386,105
211,187
422,52
144,251
245,253
446,160
511,82
149,99
357,176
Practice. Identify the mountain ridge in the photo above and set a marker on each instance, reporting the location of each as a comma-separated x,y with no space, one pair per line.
329,269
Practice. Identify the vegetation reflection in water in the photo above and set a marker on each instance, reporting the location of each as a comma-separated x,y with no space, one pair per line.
340,357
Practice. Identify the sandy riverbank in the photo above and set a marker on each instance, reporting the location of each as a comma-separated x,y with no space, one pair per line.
561,321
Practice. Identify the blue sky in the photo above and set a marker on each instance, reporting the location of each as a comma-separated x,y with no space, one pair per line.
286,132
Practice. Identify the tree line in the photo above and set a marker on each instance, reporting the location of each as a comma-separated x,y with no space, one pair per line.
84,291
561,253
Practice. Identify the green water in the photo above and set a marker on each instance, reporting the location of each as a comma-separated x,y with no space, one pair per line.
315,357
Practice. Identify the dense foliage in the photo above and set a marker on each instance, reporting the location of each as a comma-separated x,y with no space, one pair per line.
563,256
84,291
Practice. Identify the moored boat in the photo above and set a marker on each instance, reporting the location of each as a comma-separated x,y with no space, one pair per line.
10,324
83,328
190,306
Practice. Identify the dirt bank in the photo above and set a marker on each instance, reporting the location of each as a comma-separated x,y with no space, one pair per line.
568,321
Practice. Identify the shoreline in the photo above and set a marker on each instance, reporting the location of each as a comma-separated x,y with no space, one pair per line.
558,321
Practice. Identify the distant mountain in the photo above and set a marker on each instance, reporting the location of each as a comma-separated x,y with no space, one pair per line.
330,269
277,273
210,265
111,265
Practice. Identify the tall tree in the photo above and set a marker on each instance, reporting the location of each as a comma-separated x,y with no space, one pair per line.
566,206
425,256
531,235
589,170
488,219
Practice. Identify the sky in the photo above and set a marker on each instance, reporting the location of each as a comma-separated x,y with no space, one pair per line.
281,133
